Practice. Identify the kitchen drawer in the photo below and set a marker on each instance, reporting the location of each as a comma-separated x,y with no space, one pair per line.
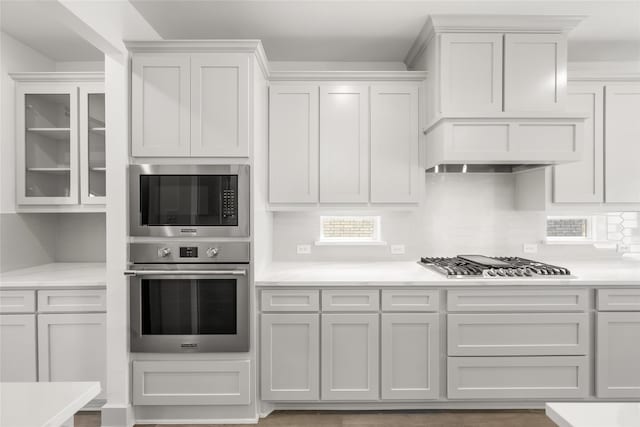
17,301
545,378
290,300
355,300
191,382
619,300
85,300
548,334
517,300
410,300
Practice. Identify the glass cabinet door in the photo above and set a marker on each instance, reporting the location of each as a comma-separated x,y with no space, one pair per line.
92,144
47,154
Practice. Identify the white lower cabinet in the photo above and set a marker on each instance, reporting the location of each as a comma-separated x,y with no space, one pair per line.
193,382
618,355
72,347
349,357
18,347
289,357
410,356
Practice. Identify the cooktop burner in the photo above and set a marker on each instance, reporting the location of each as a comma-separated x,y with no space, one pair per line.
474,266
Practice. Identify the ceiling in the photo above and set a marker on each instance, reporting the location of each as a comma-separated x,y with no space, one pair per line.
368,30
27,22
327,30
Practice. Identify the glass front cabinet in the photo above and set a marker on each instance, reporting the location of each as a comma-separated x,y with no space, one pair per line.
60,141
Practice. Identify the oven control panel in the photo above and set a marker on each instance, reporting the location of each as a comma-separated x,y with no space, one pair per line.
183,252
188,252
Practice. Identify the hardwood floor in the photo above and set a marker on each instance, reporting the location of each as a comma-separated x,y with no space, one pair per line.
533,418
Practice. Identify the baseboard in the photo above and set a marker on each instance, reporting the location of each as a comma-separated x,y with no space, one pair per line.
199,421
117,416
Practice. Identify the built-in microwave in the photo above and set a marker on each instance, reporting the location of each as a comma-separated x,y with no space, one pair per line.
189,200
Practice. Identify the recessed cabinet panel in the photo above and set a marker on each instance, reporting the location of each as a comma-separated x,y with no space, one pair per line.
582,181
17,301
290,351
617,356
18,347
160,102
293,144
618,300
220,105
349,357
471,72
535,72
410,356
622,143
344,144
395,175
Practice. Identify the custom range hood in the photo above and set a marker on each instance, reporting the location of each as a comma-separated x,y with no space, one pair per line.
497,93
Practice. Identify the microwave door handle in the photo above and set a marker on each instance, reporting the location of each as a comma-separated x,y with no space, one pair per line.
185,273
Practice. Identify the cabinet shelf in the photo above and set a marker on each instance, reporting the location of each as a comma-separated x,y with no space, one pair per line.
98,169
98,130
52,133
49,170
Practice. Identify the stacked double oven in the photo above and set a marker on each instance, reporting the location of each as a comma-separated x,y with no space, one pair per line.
189,258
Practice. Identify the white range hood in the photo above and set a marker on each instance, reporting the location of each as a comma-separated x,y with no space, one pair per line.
497,93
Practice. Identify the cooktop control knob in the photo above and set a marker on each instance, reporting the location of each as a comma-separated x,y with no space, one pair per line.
164,252
212,252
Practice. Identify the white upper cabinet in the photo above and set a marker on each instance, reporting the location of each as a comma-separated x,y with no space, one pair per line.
293,144
92,144
395,175
220,105
471,72
583,181
622,147
160,105
344,143
535,72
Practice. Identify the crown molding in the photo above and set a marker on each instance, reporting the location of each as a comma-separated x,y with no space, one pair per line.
202,46
54,76
347,76
465,23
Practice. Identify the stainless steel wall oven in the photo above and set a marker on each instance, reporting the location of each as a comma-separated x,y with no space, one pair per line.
189,200
189,297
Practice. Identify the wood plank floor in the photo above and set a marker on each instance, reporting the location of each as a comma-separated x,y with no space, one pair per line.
533,418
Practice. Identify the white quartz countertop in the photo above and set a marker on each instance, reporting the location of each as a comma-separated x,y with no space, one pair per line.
594,414
616,272
56,275
43,404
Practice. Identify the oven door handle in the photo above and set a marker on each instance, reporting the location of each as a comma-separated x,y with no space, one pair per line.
185,273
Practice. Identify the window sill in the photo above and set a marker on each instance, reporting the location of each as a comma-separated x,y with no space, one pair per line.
350,243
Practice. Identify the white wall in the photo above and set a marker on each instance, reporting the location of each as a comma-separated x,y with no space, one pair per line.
458,214
78,66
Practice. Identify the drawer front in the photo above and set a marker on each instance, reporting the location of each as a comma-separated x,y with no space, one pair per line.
290,300
517,377
516,300
552,334
17,301
57,301
619,300
202,382
410,300
355,300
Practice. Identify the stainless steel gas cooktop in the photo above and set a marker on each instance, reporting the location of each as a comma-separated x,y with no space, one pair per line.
475,266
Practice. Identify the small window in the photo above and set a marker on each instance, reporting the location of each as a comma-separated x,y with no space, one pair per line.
569,228
342,229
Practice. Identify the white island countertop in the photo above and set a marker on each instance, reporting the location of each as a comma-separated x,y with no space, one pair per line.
616,272
594,414
57,274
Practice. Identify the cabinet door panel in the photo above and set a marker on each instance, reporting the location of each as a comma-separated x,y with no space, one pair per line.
92,144
344,144
293,144
622,144
471,72
290,352
160,105
395,173
72,347
410,356
535,72
349,357
18,347
617,355
583,181
220,105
